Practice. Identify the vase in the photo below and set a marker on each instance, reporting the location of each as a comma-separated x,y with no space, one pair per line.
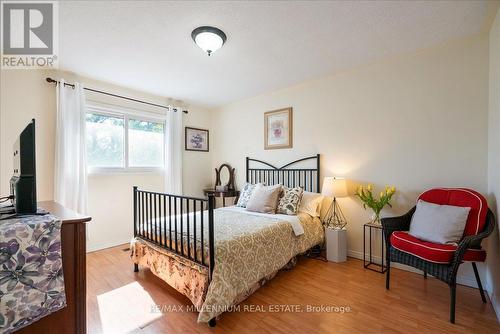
375,219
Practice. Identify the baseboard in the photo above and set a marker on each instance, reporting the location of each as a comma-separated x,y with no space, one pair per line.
94,248
494,304
461,279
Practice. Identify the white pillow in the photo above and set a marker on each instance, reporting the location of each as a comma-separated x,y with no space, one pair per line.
442,224
245,194
310,203
264,199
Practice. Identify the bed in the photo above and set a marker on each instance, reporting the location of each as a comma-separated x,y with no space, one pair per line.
219,257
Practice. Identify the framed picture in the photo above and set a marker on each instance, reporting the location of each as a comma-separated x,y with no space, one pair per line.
196,139
278,129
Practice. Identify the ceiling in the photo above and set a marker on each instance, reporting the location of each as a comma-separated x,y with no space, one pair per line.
147,45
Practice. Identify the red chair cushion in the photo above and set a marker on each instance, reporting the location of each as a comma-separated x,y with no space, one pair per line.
465,198
437,253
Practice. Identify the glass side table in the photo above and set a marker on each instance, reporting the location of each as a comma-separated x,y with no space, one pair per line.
374,232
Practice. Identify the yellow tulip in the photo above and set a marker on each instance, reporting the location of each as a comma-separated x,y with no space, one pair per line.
370,187
381,194
393,189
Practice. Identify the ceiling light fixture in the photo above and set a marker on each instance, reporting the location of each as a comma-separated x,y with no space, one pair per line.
209,39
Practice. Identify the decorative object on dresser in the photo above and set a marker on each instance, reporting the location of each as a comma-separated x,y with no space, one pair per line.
334,187
369,200
224,184
374,230
72,318
196,139
441,260
278,129
224,176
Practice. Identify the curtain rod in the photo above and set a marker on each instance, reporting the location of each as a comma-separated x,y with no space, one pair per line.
50,80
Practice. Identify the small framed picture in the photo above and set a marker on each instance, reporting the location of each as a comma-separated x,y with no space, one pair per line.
278,129
196,139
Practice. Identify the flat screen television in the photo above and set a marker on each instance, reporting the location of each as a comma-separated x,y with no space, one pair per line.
23,181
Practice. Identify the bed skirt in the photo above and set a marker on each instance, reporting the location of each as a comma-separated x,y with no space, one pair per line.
185,276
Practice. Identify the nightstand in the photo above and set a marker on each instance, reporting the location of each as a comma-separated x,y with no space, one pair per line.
223,194
336,244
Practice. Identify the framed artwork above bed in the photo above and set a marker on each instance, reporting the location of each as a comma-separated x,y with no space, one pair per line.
278,129
196,139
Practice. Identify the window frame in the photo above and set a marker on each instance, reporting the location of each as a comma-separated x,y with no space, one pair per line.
126,114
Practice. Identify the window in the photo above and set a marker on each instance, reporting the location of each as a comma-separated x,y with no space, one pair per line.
123,142
105,141
145,143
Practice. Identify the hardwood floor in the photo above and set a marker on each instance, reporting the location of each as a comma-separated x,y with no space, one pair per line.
121,301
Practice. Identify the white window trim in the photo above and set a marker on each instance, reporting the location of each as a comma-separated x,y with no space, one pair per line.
126,114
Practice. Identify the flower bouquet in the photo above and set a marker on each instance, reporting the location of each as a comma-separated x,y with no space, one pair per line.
369,200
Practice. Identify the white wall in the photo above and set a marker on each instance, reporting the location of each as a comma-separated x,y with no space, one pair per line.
23,96
416,121
26,95
493,260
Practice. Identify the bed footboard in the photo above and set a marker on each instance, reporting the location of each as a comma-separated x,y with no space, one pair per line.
177,224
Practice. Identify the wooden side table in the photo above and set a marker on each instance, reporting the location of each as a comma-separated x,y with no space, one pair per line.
222,194
368,263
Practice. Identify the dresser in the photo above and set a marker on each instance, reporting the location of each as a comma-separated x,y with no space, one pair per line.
72,318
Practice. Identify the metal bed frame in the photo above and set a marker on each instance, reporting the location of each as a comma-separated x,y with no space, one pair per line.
168,209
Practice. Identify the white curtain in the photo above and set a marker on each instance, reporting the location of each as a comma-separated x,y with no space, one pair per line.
70,181
173,154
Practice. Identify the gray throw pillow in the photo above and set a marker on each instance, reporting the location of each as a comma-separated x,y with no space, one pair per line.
289,202
442,224
264,199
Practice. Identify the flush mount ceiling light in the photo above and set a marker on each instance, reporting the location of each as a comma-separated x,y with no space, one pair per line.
209,39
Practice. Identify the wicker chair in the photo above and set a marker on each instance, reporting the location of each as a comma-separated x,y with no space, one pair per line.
441,261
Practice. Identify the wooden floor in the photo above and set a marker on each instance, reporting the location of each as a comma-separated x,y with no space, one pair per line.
121,301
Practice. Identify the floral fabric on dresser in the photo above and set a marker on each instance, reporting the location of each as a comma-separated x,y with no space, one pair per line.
289,202
31,273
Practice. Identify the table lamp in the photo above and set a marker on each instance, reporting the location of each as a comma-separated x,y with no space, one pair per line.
334,187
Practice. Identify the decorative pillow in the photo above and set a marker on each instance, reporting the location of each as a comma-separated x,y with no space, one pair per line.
264,199
245,194
289,202
310,203
442,224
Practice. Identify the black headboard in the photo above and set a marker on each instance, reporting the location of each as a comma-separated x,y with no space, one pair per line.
290,175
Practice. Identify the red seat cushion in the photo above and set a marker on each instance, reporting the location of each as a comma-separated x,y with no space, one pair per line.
437,253
464,198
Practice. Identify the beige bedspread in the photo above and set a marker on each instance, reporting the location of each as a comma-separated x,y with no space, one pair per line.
248,249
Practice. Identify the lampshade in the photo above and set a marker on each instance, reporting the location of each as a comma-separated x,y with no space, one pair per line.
209,39
334,187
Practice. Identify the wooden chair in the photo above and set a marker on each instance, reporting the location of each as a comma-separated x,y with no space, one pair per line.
441,260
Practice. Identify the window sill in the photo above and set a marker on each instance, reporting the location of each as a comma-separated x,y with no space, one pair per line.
130,170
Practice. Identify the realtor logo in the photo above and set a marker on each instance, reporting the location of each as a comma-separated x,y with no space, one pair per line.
28,34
